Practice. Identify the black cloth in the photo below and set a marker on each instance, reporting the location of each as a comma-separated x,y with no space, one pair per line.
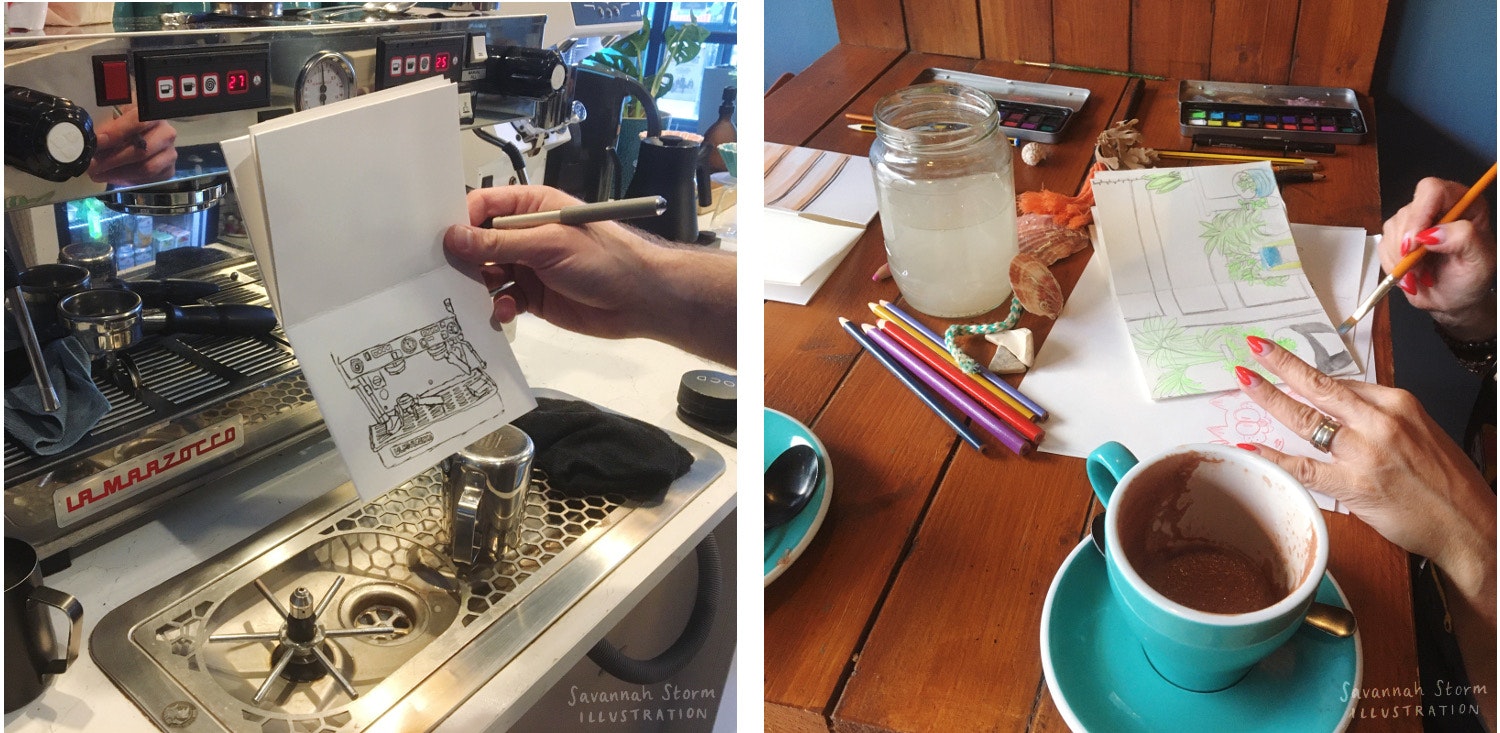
585,450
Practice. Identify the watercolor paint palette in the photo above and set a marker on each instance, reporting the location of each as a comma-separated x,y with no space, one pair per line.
1028,111
1270,112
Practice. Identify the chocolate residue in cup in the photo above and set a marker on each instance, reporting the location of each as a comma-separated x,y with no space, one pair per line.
1199,572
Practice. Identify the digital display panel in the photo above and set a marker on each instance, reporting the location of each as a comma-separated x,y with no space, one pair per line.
237,82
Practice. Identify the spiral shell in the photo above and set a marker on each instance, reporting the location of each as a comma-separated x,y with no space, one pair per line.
1049,241
1035,153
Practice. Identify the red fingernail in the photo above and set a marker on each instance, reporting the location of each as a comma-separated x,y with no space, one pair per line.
1409,283
1428,236
1245,376
1405,245
1245,446
1258,344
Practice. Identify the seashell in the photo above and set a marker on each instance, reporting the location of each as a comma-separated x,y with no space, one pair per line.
1035,285
1035,153
1038,234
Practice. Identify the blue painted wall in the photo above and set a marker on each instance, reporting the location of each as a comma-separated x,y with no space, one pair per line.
797,33
1442,68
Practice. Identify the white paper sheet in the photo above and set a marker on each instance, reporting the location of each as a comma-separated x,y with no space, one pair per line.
244,173
395,343
832,185
1198,259
1078,372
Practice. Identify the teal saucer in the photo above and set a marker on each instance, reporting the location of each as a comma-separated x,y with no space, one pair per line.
784,544
1102,681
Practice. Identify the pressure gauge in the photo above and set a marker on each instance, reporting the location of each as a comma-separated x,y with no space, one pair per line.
326,77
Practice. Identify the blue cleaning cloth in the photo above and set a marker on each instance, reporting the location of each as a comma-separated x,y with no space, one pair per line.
82,404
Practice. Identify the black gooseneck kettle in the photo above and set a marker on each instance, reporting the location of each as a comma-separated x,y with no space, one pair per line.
675,169
588,167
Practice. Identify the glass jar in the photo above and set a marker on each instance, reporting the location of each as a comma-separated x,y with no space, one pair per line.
947,198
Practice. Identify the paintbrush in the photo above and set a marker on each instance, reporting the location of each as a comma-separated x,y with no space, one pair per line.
1411,258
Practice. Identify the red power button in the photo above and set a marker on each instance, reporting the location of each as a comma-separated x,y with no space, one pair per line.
111,80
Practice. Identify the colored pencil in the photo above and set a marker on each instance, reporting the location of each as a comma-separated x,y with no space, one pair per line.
852,117
881,311
1089,69
1285,177
1411,258
1233,157
1018,422
1287,147
862,127
1002,432
922,391
989,376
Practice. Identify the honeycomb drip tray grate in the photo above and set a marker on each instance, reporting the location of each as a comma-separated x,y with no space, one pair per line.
391,556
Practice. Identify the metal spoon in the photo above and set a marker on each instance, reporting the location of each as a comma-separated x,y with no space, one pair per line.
1330,619
790,482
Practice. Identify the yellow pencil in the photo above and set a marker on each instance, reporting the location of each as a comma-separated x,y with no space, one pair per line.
880,311
1194,155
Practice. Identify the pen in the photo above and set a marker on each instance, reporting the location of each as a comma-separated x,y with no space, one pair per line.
1287,147
1411,259
636,208
924,393
1285,177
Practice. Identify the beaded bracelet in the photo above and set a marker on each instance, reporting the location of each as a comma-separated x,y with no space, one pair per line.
1476,356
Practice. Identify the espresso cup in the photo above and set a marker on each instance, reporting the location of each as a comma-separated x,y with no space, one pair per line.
32,654
1213,552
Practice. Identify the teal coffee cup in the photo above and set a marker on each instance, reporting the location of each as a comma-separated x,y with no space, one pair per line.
1213,552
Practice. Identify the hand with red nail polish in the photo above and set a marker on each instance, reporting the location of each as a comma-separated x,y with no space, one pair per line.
1455,279
601,279
1396,469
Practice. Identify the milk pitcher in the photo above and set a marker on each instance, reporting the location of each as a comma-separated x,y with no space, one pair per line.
943,175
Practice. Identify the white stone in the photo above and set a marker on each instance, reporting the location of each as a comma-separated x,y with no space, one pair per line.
1014,351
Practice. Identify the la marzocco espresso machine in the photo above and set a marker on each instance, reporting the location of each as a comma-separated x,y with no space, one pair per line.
185,408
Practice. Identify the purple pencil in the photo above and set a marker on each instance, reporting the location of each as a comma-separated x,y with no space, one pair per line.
963,402
1041,415
921,390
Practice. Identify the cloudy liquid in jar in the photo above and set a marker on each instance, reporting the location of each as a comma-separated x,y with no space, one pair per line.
950,242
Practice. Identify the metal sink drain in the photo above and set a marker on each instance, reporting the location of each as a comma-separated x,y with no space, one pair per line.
383,605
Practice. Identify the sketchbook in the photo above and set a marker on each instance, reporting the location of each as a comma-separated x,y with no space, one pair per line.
395,343
1199,258
821,183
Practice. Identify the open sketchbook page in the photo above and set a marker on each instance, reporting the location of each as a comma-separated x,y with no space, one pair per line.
394,342
1198,259
244,172
826,184
1077,372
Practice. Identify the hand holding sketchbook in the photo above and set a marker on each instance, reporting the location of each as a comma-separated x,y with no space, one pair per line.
395,343
1198,259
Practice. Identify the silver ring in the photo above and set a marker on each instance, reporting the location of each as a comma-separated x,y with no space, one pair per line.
1322,436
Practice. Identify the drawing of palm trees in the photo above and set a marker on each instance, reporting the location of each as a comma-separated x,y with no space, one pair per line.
1238,235
1172,351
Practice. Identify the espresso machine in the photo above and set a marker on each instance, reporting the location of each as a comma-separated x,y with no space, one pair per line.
200,78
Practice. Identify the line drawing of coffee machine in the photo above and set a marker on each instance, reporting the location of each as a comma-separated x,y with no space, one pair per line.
404,411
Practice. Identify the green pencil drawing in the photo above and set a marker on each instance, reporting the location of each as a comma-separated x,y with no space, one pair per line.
1238,235
1164,182
1174,350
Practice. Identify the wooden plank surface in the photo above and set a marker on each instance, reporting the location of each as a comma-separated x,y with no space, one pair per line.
820,91
949,27
799,380
1017,29
1171,38
1091,33
1337,41
904,613
1252,41
878,23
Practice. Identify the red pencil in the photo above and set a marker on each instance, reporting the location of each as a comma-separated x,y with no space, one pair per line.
1028,429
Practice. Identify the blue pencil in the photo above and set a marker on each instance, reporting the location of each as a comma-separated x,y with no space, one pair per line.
922,391
1041,415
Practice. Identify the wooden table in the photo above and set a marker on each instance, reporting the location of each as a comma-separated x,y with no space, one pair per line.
918,606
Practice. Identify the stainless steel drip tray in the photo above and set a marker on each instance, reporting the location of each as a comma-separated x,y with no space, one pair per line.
449,633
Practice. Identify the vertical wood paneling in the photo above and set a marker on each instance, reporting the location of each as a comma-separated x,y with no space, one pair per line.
1253,41
1171,38
1337,41
876,23
948,27
1091,33
1016,29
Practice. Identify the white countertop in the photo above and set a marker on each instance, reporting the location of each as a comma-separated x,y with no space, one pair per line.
636,377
